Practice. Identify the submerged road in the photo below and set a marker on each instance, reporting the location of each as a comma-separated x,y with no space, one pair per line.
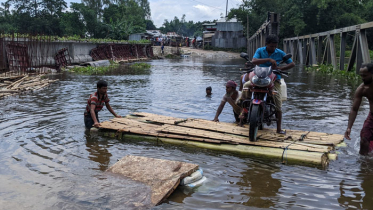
48,161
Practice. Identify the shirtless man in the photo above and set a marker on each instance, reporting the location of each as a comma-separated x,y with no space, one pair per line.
230,97
364,90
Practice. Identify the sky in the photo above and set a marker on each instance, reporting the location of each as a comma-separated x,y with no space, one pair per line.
195,10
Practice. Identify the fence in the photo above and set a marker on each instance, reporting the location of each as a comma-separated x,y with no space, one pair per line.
20,55
320,48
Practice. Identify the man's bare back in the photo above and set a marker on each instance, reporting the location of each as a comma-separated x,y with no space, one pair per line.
364,90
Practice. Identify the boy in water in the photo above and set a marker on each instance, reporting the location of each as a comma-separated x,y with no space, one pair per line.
208,91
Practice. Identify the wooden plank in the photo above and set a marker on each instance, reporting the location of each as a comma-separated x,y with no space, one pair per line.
173,131
163,176
310,137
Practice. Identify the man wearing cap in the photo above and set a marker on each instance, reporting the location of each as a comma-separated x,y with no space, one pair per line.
230,97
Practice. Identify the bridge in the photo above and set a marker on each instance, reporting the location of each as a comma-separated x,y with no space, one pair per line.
319,48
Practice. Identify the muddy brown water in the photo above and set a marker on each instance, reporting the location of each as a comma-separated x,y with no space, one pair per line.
48,161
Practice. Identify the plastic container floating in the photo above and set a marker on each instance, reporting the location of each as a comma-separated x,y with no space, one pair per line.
194,177
197,183
284,93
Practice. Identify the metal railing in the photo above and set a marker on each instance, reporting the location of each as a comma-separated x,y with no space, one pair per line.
320,48
270,26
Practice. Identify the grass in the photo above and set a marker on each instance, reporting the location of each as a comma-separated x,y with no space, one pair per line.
140,66
74,38
329,69
90,70
172,56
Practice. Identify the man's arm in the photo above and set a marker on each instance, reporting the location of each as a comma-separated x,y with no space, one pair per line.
93,115
286,67
241,85
258,61
354,109
218,112
111,110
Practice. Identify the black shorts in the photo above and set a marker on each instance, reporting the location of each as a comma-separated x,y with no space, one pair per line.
88,121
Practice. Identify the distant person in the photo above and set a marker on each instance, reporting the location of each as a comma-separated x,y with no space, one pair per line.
230,97
95,103
364,90
194,42
162,48
208,91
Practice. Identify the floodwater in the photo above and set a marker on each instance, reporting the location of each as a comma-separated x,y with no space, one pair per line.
47,161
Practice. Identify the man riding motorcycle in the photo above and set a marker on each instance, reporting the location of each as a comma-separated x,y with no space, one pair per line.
271,56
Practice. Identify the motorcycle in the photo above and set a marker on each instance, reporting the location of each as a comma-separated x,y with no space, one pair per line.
260,108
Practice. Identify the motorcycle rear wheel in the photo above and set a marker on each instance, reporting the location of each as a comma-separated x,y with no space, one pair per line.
254,122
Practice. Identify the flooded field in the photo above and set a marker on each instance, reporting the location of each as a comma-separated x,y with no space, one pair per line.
48,161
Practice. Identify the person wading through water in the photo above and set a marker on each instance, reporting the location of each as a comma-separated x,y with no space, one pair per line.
364,90
95,103
230,97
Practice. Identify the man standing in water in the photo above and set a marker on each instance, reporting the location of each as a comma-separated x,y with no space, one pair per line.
364,90
95,103
271,56
230,97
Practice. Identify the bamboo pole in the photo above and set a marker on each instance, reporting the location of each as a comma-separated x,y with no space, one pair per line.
285,156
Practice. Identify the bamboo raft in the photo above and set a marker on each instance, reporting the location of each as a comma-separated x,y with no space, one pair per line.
162,176
296,147
13,85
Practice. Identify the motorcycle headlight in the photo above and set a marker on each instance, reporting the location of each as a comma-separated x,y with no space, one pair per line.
261,82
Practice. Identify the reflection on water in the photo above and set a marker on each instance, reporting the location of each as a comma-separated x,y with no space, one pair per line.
48,161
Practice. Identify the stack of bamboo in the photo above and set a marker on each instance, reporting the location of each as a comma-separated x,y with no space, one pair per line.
12,85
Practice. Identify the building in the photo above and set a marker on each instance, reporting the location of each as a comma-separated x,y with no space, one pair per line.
224,34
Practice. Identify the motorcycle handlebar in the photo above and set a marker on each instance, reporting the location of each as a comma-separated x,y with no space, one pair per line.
276,71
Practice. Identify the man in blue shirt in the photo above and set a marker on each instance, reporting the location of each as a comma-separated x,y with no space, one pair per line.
271,56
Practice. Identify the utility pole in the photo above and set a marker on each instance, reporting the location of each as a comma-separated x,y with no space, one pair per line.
226,11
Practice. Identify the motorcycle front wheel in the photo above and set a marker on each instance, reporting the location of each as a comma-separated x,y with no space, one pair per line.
255,115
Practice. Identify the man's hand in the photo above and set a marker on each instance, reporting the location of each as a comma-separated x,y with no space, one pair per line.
118,116
274,63
96,124
216,120
347,133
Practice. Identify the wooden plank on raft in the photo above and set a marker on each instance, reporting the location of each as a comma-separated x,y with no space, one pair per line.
162,176
301,147
266,134
148,131
177,132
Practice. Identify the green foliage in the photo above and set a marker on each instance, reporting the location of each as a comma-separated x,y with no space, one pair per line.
140,66
90,70
183,27
329,70
171,56
114,19
302,17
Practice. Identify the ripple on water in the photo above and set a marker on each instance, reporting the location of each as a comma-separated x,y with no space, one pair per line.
47,161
